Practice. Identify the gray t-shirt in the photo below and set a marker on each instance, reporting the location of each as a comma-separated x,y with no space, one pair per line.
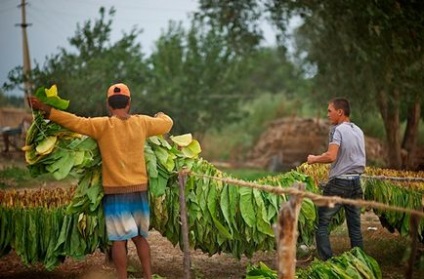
351,156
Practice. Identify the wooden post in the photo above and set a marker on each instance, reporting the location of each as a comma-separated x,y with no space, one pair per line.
413,234
286,235
26,58
182,179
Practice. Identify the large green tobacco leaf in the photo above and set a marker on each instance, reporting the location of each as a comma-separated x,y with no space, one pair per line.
213,211
65,164
246,206
224,203
263,223
5,230
262,271
51,98
192,150
32,216
157,185
151,161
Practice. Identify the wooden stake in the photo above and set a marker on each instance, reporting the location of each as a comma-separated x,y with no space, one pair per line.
182,179
286,235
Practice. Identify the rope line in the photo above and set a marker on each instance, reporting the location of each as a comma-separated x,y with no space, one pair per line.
319,200
382,177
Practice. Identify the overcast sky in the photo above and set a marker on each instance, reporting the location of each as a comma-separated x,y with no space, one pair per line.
53,22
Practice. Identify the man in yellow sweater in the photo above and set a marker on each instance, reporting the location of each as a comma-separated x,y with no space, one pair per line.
121,138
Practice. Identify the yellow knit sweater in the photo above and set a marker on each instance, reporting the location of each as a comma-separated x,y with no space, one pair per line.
121,144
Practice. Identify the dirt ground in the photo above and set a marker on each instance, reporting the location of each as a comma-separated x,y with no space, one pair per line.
389,249
167,260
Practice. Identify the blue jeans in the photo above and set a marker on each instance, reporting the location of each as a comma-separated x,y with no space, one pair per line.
344,188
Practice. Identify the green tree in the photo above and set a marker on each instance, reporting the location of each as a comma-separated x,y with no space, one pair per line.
371,51
197,78
84,72
194,75
200,78
239,21
270,71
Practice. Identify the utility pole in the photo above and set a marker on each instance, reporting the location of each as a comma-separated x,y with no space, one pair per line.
25,48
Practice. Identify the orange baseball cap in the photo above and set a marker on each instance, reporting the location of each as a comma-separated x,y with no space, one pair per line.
118,89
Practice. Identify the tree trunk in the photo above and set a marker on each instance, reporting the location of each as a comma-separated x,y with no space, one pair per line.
389,109
410,137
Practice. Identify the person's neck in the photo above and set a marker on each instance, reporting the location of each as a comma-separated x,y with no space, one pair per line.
121,113
343,119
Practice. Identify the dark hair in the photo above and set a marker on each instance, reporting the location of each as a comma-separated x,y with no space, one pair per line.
118,101
343,104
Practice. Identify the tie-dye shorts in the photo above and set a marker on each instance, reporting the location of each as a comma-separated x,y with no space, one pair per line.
127,215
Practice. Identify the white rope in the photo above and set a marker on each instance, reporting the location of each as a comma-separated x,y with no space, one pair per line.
400,179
